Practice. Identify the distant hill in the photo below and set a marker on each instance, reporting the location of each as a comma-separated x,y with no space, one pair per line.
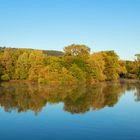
47,52
53,53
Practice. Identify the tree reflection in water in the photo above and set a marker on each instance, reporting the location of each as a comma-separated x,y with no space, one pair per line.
77,99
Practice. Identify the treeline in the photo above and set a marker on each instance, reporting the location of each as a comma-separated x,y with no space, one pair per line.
75,65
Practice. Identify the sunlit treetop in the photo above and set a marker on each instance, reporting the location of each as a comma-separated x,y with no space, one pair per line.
77,50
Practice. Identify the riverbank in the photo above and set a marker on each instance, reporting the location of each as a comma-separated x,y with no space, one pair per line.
130,80
53,83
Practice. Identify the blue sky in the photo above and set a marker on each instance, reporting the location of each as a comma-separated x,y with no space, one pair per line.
53,24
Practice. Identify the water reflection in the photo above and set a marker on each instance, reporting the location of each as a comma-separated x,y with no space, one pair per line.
24,96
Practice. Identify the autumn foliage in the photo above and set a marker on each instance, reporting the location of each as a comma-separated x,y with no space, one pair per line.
75,65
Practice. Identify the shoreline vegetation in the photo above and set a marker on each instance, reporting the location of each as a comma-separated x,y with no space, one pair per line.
76,65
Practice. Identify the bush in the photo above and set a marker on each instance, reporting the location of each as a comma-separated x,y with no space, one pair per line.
42,81
5,77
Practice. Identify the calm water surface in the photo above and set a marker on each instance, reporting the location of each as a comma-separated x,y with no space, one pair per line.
106,111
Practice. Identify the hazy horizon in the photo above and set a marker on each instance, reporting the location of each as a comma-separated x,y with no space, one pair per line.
52,25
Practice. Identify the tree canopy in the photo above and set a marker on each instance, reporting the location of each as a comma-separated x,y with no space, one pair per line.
76,50
77,65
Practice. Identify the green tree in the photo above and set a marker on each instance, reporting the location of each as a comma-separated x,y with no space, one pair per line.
111,60
122,69
97,66
1,69
36,61
137,65
131,69
7,62
55,63
22,66
77,73
66,77
76,50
